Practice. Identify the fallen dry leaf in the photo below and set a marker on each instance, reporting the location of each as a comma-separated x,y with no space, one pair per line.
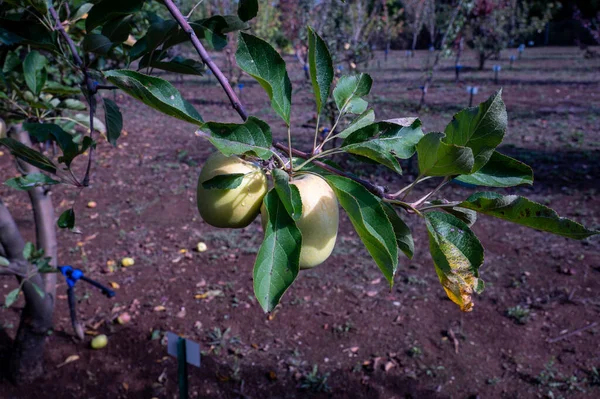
68,360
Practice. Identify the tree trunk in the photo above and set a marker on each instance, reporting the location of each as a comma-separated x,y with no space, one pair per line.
26,360
482,59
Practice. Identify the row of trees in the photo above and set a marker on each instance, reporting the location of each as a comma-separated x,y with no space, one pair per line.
487,26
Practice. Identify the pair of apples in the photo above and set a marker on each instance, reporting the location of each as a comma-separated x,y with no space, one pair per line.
238,207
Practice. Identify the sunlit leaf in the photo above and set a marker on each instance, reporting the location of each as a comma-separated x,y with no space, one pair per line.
352,88
253,136
261,61
156,93
277,262
436,158
500,171
289,194
321,68
479,128
370,222
525,212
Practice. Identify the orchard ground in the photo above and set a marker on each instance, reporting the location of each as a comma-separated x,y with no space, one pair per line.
371,342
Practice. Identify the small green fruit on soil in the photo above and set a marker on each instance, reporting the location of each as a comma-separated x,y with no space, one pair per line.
319,221
233,208
99,341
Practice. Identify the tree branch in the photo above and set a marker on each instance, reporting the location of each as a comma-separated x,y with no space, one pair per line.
235,101
90,85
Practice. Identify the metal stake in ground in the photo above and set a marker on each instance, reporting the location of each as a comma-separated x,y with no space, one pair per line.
185,351
472,90
497,69
512,61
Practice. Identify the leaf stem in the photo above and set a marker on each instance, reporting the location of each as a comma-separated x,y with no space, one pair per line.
435,190
377,190
314,150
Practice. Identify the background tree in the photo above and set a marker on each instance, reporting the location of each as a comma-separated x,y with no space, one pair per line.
494,25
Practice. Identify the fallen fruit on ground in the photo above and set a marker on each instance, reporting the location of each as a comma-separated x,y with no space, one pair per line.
231,208
126,262
99,341
319,221
124,318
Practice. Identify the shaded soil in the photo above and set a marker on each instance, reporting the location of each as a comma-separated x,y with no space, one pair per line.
367,340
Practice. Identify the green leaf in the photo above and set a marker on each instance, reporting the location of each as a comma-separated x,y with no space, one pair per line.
258,59
53,87
178,64
29,155
155,93
247,9
352,88
457,255
117,30
66,219
38,289
364,119
289,195
370,222
370,148
500,171
8,38
11,62
467,216
4,262
71,103
49,131
436,158
96,43
253,136
213,30
34,69
30,181
159,32
383,142
106,10
277,262
29,251
81,12
12,297
114,121
522,211
480,128
224,182
40,5
404,237
321,68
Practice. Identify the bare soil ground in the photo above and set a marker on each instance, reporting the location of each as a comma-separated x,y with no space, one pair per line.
367,341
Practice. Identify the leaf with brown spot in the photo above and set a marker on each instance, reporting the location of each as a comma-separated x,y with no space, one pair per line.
457,255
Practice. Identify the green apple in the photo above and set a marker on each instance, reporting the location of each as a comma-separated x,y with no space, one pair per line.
234,208
319,221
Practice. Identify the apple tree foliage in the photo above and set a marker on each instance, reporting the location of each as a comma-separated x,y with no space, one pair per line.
43,85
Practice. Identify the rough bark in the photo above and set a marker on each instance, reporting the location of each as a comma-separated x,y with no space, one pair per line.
26,361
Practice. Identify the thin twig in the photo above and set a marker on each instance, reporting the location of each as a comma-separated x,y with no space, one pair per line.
89,83
377,190
235,101
561,337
